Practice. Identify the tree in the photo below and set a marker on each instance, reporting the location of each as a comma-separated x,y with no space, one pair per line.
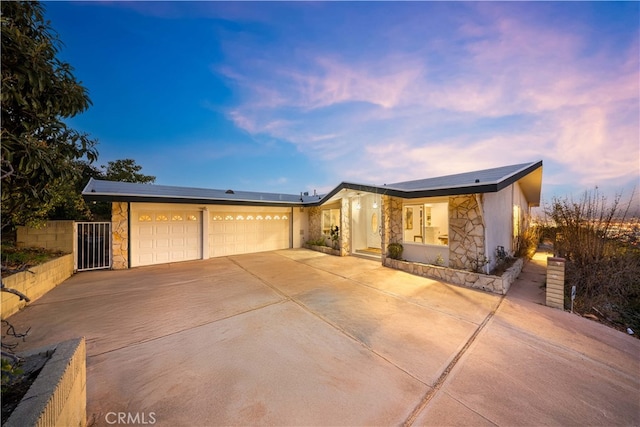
38,92
126,170
69,203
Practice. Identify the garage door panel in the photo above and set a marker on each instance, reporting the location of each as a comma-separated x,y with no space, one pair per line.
161,243
164,234
145,230
145,244
177,242
248,231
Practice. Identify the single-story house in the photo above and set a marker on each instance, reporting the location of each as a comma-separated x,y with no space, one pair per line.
453,221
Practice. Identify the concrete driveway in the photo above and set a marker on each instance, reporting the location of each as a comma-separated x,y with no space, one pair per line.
300,338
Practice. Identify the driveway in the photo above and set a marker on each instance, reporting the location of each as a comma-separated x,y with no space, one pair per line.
297,337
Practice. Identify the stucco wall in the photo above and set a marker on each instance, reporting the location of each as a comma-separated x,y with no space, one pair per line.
54,235
429,254
499,217
300,227
120,235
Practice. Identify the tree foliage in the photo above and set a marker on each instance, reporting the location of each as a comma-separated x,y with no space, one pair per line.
126,170
38,92
69,203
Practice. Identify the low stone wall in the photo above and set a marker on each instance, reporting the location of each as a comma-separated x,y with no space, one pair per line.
495,284
58,396
54,235
35,283
325,250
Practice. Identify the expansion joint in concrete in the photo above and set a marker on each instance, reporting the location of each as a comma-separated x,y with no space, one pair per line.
445,374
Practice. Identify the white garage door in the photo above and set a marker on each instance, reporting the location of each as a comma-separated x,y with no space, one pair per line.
248,230
165,233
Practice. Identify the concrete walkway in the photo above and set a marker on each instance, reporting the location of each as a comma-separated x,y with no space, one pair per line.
300,338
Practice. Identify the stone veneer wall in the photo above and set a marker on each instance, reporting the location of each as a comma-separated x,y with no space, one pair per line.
495,284
391,222
466,232
315,223
345,228
120,234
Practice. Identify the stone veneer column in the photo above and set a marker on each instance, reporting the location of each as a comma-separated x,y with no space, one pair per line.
466,232
315,223
345,227
120,235
391,222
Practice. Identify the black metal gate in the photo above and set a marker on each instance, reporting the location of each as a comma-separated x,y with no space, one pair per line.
93,245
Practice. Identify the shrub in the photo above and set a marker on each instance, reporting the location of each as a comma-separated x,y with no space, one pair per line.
604,269
395,250
320,241
527,242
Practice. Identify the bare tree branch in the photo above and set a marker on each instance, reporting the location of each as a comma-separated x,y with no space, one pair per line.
15,292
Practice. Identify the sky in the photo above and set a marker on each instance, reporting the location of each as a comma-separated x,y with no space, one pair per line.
300,96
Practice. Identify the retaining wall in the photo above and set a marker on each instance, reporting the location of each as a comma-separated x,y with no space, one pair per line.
35,283
58,396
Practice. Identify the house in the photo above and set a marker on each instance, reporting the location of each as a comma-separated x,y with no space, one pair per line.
455,221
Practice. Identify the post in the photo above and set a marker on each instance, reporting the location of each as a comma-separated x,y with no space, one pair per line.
555,282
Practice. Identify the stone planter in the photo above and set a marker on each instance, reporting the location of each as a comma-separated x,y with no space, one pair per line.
58,396
325,250
495,284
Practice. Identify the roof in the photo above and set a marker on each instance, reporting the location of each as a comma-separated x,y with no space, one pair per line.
102,190
482,181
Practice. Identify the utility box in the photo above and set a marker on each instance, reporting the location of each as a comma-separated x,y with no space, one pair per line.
555,282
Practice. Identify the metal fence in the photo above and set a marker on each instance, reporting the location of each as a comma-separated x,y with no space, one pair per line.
93,245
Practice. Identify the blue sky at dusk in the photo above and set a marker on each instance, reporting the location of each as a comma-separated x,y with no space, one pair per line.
290,97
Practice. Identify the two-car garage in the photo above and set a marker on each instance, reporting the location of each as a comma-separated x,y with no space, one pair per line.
163,233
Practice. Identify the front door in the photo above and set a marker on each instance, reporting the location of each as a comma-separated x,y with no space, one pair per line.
374,225
366,225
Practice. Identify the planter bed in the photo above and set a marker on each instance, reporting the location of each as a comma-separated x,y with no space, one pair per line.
486,282
324,250
58,395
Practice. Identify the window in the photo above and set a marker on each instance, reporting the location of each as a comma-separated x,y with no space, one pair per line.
176,217
426,223
330,219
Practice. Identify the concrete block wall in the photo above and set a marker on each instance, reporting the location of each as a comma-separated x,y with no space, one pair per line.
555,282
36,283
55,235
58,396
